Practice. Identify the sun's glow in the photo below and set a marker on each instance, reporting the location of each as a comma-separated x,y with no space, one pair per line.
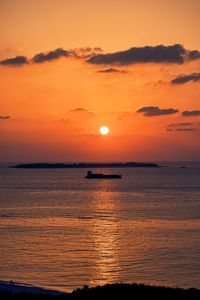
104,130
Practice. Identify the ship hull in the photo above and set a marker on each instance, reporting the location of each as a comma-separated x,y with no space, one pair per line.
101,176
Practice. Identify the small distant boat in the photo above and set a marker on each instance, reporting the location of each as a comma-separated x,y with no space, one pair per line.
91,175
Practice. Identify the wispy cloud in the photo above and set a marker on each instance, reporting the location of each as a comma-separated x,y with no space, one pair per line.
183,126
84,52
185,129
81,110
112,70
4,117
63,120
179,124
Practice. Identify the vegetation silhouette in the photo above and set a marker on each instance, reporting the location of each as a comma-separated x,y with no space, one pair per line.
114,291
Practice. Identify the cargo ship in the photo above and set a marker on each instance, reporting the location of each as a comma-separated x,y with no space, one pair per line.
91,175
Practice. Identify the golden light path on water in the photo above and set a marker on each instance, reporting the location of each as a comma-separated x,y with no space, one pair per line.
106,236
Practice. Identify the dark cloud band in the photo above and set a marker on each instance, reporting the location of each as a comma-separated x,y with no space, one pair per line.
51,55
152,111
186,78
192,113
16,61
173,54
155,54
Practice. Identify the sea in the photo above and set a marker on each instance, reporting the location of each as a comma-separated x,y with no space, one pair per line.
61,231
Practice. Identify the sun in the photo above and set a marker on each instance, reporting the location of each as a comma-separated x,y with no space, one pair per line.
104,130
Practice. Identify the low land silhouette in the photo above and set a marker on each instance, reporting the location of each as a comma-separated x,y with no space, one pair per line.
114,291
86,165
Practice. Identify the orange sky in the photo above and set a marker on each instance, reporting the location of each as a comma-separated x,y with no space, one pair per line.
52,110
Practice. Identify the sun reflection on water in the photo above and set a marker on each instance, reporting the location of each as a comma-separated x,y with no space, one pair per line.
105,234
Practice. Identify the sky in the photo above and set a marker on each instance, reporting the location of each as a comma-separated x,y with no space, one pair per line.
69,67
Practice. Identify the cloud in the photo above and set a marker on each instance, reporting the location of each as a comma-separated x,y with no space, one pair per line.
185,129
192,113
4,117
16,61
157,83
185,78
179,124
152,111
49,56
184,126
84,52
147,54
156,54
175,54
111,70
193,55
63,120
81,110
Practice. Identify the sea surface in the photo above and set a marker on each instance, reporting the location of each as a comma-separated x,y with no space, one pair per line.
62,231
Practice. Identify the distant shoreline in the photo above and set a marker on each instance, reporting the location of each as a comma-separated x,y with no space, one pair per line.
85,165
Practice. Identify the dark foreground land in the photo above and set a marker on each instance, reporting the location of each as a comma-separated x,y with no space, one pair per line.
114,291
85,165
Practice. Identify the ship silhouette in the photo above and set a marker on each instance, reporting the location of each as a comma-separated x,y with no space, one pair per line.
91,175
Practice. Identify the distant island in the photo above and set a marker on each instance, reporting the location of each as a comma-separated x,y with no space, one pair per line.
85,165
